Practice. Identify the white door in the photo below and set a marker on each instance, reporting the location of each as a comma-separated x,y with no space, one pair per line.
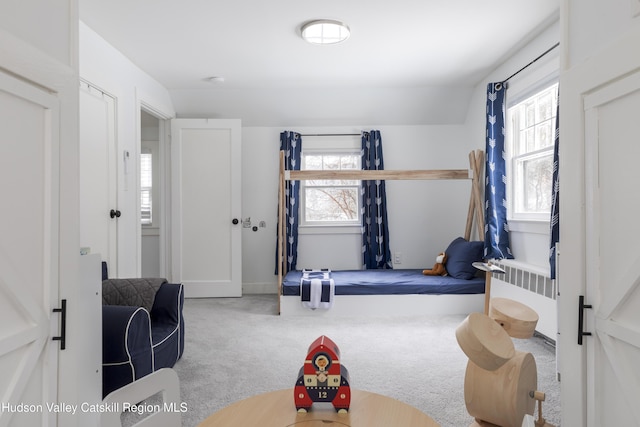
206,200
98,182
29,188
600,258
612,132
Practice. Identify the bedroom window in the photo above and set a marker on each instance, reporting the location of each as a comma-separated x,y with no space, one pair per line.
532,132
330,202
146,187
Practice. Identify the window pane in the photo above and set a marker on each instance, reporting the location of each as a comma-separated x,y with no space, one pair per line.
312,162
530,140
530,113
331,204
331,163
532,152
544,135
331,201
146,183
145,206
145,170
545,107
350,162
331,182
534,176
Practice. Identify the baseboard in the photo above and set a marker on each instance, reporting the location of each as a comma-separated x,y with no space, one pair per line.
259,288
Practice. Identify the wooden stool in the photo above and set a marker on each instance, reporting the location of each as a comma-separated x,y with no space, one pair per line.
501,397
484,341
517,319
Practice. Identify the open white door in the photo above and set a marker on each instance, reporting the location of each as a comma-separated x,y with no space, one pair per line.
29,184
601,101
613,277
206,201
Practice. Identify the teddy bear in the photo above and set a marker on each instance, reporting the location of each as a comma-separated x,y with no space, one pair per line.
438,268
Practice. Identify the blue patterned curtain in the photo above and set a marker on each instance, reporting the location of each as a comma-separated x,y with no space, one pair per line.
291,143
496,234
375,232
555,196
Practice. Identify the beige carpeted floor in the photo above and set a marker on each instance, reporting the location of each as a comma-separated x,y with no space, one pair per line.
236,348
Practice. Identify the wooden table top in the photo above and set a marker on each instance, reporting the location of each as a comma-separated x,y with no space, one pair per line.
277,409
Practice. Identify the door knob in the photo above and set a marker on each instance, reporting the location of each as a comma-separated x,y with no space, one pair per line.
115,213
235,221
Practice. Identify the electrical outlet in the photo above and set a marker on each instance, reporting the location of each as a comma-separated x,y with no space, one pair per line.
397,258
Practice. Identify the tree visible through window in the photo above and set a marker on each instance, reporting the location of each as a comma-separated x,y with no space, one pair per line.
331,201
532,137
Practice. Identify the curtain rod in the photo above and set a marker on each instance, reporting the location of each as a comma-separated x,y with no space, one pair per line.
331,134
531,63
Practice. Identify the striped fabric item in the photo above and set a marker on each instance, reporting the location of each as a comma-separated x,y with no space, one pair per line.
317,289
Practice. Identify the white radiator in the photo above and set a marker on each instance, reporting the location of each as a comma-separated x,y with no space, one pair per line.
527,279
533,288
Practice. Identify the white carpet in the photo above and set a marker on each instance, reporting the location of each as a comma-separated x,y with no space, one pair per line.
236,348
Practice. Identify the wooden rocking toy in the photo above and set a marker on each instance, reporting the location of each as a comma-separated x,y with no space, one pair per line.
500,386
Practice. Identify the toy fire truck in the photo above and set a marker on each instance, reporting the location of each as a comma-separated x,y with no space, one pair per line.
323,378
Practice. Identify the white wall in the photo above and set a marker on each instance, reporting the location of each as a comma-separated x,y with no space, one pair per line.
592,25
529,240
424,215
109,70
327,106
50,26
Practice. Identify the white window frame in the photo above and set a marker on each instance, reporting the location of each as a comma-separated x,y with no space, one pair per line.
511,139
303,187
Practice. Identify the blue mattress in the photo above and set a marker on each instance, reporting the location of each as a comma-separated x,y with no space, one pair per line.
389,282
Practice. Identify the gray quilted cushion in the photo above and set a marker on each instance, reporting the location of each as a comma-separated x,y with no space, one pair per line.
138,292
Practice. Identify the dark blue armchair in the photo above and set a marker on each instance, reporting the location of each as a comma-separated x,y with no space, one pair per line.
142,329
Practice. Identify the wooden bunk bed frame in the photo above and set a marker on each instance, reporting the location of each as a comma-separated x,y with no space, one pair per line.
425,303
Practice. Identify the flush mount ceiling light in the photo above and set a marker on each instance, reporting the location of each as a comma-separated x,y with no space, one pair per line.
325,31
214,79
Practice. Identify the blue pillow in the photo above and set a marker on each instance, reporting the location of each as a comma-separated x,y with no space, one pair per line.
460,255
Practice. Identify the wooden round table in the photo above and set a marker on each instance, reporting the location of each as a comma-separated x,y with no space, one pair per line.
277,409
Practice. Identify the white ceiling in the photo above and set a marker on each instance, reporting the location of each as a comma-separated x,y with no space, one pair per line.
406,62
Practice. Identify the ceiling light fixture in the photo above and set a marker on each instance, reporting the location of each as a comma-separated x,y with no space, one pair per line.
214,79
325,31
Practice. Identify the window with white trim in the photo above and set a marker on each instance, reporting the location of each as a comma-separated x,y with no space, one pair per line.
531,139
330,202
146,188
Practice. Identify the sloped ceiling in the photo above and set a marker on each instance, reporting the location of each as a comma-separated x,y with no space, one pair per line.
406,62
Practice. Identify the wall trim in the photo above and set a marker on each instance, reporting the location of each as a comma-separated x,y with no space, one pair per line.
260,288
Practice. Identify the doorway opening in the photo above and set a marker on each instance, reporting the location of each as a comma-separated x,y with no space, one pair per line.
153,196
